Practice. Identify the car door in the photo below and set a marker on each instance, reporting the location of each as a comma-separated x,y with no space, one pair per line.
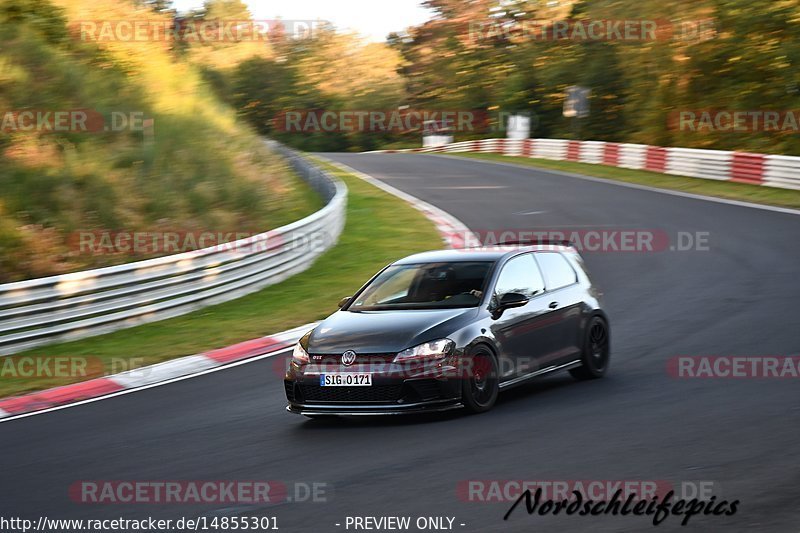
564,297
524,333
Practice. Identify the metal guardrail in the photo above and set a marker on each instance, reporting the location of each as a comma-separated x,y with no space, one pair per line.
782,171
83,304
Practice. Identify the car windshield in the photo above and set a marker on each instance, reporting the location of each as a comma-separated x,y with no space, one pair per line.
425,286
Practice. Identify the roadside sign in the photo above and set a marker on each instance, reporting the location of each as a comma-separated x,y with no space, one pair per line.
577,102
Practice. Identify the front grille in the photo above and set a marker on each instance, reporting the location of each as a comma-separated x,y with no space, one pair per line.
426,389
376,393
289,390
361,358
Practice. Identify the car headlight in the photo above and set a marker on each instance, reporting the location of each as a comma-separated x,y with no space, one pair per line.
428,350
299,355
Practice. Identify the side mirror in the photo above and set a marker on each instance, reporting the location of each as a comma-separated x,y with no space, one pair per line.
512,299
344,301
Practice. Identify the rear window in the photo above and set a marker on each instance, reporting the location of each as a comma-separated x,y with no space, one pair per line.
556,270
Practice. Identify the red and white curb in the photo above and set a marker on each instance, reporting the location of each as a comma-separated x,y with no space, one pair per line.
149,376
742,167
453,231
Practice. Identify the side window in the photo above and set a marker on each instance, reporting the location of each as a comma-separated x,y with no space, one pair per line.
557,270
520,275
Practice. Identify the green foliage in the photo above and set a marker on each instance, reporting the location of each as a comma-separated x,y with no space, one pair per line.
261,89
748,61
38,16
193,169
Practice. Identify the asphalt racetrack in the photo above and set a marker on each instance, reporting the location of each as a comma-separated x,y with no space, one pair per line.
739,297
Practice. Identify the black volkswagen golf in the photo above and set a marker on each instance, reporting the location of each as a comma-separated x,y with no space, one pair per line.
450,329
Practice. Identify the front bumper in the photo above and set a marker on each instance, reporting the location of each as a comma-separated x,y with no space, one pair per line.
374,410
395,389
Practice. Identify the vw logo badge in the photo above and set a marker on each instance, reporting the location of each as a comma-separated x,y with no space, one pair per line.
348,358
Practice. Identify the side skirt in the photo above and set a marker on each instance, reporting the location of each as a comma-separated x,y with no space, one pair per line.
522,379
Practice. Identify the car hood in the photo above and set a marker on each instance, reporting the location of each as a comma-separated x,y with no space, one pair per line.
374,332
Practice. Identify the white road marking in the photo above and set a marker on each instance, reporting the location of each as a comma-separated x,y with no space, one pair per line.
148,375
153,385
738,203
427,209
417,177
530,212
171,371
470,187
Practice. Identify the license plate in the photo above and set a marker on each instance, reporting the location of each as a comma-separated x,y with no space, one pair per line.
345,380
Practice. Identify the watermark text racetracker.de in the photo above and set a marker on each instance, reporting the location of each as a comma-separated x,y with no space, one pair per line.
44,121
66,368
734,367
194,31
453,368
164,242
734,120
589,239
197,492
404,120
588,30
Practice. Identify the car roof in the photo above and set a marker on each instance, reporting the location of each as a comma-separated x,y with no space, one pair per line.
487,253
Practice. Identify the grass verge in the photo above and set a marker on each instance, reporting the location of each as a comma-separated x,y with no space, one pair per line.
722,189
380,228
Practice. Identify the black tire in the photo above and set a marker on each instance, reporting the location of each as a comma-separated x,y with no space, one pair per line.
596,354
480,382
